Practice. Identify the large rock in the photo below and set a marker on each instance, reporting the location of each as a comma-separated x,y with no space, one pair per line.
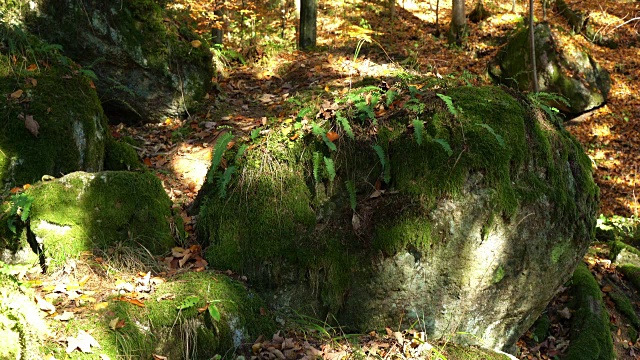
80,211
51,119
564,67
147,68
480,222
591,27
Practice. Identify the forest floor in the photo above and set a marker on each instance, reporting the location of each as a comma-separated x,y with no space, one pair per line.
355,41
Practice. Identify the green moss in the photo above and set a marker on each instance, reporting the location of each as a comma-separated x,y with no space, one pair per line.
397,234
460,352
590,335
625,307
119,155
541,328
72,125
632,273
83,210
160,328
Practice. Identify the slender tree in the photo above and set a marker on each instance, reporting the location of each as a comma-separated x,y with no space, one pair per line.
532,43
458,25
308,14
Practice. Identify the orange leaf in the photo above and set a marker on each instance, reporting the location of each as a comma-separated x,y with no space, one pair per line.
15,190
91,84
333,136
32,67
147,162
131,301
26,186
31,125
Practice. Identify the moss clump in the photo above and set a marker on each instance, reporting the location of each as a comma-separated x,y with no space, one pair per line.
625,307
119,155
60,99
590,334
79,211
459,352
632,273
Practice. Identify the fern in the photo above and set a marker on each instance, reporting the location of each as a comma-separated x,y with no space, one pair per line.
240,153
445,145
499,138
540,100
418,130
344,123
317,158
447,100
351,189
224,180
384,161
391,96
331,170
302,113
319,131
218,152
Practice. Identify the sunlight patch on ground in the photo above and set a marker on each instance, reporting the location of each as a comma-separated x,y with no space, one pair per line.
190,164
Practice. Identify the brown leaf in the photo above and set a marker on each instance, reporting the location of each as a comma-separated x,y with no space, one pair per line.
16,94
31,125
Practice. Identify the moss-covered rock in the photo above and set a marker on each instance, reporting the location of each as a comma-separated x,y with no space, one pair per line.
172,323
631,273
563,67
51,119
120,155
22,329
80,211
624,254
468,230
588,25
147,68
590,334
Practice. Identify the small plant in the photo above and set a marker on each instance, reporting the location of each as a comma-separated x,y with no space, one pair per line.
447,100
499,138
19,210
319,131
445,146
344,124
192,300
384,160
542,100
351,189
218,153
331,170
418,130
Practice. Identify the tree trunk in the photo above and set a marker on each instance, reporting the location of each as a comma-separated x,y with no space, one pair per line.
308,11
458,25
217,32
532,42
513,6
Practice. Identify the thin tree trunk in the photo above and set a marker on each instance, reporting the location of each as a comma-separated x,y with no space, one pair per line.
437,14
532,42
458,25
308,13
513,6
217,33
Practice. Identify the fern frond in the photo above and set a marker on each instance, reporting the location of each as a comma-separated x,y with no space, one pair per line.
344,123
499,138
447,100
384,160
317,158
351,189
418,130
218,152
331,170
224,180
320,131
445,145
240,153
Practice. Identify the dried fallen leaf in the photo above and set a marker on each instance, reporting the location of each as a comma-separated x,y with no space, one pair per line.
607,288
65,316
83,341
44,305
159,357
116,324
101,305
196,43
16,94
32,67
332,136
31,125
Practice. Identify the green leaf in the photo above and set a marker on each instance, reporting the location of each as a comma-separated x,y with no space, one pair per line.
218,152
331,170
189,302
214,312
418,130
445,146
344,123
447,99
499,138
240,152
351,189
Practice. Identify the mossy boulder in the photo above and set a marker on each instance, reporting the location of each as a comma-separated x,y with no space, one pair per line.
80,211
590,334
171,324
563,65
462,223
147,68
68,127
587,25
120,155
22,328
